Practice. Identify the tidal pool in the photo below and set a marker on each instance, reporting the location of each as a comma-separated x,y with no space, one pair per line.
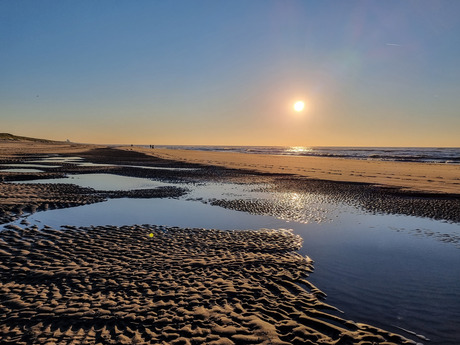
22,170
57,159
107,182
27,165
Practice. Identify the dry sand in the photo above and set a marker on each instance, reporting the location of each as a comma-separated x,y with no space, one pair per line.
422,177
119,285
9,148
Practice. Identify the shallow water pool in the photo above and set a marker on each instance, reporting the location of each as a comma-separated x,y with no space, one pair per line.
106,182
26,165
22,170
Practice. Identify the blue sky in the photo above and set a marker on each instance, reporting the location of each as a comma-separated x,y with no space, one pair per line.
372,73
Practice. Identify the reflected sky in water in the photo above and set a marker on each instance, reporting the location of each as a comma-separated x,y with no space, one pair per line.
106,182
29,166
22,170
57,159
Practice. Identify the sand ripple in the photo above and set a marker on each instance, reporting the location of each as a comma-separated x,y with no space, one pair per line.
119,285
19,198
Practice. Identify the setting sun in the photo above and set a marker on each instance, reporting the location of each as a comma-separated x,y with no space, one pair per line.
299,105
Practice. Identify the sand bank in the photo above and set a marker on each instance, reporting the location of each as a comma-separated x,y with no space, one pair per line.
423,177
9,149
156,285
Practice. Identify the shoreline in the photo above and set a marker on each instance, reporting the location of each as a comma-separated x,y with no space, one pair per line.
408,176
430,178
361,193
368,196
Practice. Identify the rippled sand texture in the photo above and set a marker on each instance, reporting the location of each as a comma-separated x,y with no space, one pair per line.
18,198
118,285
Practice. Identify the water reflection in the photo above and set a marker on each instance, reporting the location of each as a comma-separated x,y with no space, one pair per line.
290,206
22,170
299,149
79,161
89,164
307,207
167,212
57,159
107,182
160,168
26,165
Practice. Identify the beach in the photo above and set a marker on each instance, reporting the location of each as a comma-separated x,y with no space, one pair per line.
420,177
230,172
153,284
419,189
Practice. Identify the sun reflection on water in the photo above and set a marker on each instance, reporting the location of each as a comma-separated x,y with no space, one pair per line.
302,207
299,149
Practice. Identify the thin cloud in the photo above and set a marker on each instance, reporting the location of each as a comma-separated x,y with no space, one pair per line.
394,44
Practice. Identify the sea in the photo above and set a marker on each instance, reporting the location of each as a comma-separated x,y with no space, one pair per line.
449,155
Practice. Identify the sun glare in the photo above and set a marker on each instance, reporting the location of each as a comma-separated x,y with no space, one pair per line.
299,105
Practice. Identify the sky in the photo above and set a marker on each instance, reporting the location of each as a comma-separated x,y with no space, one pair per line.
371,73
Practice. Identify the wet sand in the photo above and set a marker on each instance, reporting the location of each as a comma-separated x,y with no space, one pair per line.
420,177
29,198
18,198
375,199
118,285
155,285
415,189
